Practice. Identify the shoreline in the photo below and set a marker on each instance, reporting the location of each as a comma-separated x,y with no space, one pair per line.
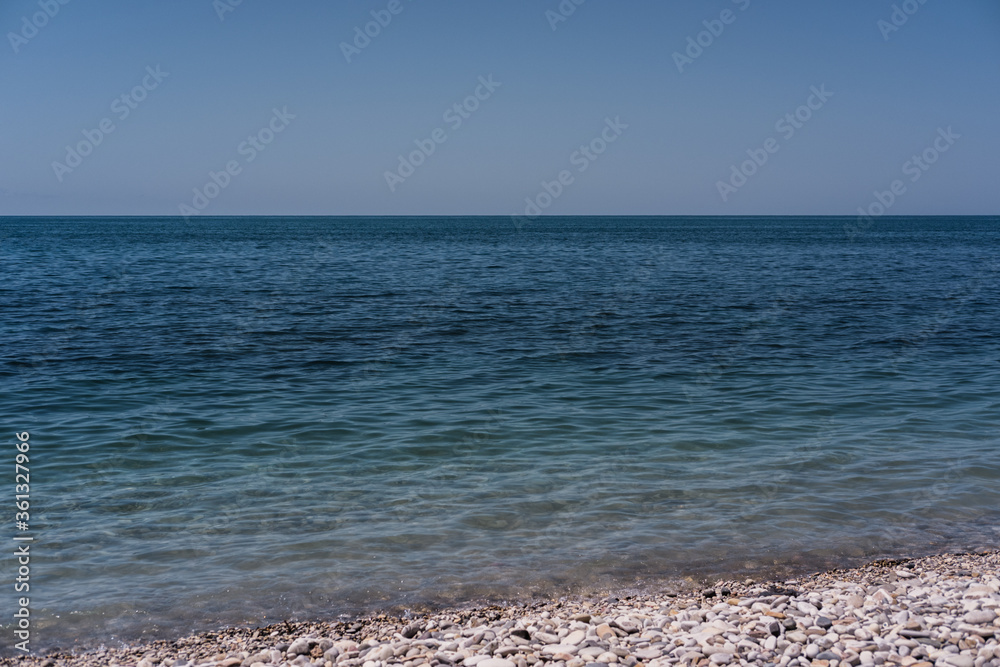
931,611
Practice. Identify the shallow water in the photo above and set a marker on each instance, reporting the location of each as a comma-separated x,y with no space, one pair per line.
240,420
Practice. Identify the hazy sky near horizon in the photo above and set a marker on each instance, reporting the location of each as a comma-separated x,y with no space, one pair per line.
596,97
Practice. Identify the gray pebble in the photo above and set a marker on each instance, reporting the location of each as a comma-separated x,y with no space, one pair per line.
301,646
959,660
981,617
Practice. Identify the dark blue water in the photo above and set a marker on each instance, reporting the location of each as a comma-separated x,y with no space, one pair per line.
241,420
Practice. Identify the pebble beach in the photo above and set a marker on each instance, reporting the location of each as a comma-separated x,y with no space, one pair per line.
938,611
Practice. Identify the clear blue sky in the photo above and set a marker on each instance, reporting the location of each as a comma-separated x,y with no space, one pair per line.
891,93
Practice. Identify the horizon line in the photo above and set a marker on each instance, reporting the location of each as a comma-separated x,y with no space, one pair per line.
491,215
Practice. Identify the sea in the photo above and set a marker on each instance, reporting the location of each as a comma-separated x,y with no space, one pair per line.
241,420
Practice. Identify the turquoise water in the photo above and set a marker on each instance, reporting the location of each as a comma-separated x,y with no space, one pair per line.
242,420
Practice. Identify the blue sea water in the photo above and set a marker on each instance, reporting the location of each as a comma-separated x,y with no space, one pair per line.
241,420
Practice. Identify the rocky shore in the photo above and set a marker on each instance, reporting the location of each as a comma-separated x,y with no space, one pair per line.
940,611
